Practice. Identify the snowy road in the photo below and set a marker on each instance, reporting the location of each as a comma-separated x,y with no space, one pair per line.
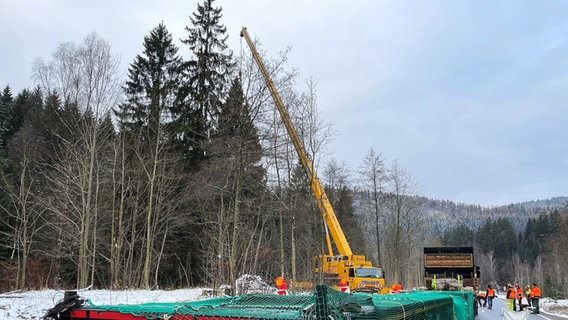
497,313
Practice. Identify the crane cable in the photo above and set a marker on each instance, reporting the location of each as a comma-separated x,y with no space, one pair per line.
241,58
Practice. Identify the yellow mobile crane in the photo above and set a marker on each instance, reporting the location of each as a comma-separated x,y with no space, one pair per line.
359,272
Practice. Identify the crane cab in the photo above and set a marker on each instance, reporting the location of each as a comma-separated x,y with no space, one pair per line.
360,274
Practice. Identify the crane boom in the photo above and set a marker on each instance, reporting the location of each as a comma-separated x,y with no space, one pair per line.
317,188
360,274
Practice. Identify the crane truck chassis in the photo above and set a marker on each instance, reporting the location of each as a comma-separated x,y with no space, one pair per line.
360,274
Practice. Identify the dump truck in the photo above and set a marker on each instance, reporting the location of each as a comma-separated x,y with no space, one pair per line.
450,268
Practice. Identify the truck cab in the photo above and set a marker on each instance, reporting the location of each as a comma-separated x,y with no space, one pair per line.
360,274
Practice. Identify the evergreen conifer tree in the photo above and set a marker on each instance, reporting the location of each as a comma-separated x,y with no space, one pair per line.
236,142
207,79
153,81
55,129
346,213
6,105
27,109
234,170
236,130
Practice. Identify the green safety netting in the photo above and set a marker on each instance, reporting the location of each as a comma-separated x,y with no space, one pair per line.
324,303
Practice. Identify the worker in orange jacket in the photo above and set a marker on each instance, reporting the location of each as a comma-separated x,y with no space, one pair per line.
481,295
511,296
535,297
519,296
489,295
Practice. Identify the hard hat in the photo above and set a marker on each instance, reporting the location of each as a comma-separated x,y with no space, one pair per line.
280,283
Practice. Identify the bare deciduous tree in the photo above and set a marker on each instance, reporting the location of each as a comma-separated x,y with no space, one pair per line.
19,185
282,160
315,135
373,179
87,77
404,227
280,156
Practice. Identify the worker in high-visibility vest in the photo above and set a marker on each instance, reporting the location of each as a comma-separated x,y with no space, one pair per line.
482,296
490,294
511,296
535,297
393,288
281,286
344,285
528,295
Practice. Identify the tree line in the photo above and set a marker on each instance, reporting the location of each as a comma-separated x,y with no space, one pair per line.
535,253
180,175
183,174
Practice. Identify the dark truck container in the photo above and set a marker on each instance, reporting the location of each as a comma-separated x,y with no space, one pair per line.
451,267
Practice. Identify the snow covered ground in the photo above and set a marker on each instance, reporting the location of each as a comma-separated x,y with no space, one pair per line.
33,304
555,307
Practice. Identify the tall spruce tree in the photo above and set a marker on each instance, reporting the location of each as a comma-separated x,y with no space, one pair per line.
460,235
6,105
6,115
500,237
27,105
153,81
236,129
59,124
207,80
236,153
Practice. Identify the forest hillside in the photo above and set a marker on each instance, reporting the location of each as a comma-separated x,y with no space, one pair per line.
182,175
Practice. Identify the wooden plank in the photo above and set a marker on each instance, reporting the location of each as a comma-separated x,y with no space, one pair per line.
448,261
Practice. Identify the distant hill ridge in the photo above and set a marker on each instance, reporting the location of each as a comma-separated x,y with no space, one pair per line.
446,214
450,214
555,202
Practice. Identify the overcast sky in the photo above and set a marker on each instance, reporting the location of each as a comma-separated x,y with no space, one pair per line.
470,96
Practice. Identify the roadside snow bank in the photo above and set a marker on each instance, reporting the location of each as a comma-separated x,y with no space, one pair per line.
34,304
556,307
